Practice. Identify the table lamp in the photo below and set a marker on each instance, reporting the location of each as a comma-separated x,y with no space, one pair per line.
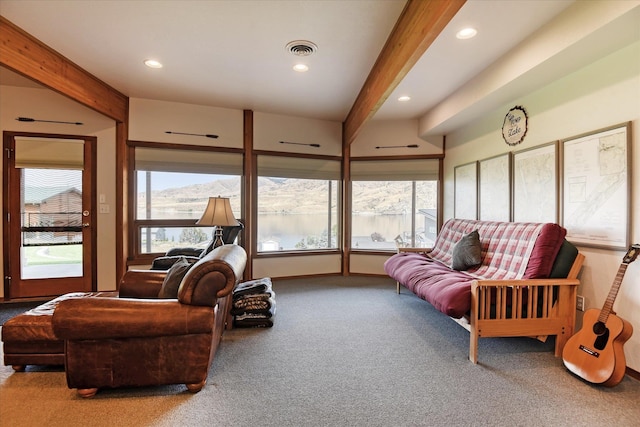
219,214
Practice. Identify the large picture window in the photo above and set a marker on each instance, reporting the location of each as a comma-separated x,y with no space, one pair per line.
298,203
394,204
172,187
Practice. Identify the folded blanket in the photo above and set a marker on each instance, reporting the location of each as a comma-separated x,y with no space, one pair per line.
260,319
267,311
250,305
256,286
262,295
249,299
254,304
253,323
265,315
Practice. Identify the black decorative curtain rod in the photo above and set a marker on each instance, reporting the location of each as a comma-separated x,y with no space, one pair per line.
207,135
29,119
398,146
300,143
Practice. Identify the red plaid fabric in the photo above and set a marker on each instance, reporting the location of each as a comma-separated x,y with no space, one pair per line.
506,247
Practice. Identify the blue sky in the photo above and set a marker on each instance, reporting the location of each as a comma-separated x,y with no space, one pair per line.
164,180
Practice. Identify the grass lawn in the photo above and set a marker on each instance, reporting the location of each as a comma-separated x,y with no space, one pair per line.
62,254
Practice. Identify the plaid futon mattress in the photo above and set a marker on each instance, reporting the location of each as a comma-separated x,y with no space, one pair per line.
509,251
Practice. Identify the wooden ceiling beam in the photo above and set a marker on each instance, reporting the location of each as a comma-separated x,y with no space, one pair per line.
419,24
28,56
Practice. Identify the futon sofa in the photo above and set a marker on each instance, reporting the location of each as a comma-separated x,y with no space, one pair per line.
510,279
143,340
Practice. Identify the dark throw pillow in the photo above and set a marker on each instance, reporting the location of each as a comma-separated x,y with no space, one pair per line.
173,278
467,252
564,260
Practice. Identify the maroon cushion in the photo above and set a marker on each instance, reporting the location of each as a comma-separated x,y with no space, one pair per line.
449,291
545,251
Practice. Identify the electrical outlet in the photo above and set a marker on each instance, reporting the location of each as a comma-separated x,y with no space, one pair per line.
580,303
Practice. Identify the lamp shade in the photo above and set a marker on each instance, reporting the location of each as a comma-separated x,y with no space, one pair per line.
218,212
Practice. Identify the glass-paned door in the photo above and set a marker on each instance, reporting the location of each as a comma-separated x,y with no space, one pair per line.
51,223
50,215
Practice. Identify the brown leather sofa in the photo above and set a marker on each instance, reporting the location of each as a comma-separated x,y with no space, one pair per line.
28,338
141,340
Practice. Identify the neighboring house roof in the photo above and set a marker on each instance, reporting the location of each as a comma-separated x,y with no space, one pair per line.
429,213
37,195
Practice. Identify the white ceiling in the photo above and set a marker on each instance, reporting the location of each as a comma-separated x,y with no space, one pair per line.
232,53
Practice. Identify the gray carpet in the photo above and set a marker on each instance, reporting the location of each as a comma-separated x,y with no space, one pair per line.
343,352
12,309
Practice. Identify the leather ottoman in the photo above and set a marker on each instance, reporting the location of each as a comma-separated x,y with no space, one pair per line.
28,338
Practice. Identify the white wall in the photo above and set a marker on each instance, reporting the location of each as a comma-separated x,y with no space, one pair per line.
270,129
289,266
381,133
602,94
149,120
45,104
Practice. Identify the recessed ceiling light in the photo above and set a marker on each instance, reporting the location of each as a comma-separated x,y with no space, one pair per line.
404,98
152,63
301,68
466,33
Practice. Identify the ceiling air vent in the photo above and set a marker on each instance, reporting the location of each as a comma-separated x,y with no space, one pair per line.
301,47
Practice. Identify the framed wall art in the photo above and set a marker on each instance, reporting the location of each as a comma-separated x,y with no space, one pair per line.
495,188
596,187
515,126
466,191
535,184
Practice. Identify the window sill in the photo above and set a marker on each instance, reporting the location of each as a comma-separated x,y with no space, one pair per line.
315,252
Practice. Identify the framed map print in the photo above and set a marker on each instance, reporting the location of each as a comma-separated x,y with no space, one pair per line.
596,186
466,191
535,184
495,188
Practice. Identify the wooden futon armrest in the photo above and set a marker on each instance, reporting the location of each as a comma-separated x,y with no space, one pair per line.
416,250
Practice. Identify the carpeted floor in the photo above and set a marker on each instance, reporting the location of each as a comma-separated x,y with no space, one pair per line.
343,352
12,309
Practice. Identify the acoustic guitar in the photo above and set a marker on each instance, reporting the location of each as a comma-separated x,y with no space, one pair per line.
595,352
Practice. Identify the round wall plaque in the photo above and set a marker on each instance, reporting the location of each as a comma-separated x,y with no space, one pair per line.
514,127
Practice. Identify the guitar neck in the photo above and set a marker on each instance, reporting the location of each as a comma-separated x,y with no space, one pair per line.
613,293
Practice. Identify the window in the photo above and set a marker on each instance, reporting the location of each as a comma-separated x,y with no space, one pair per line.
394,204
172,189
298,203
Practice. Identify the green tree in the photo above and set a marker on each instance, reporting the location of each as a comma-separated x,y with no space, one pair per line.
192,235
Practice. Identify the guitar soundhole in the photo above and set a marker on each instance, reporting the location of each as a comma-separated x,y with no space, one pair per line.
603,335
599,328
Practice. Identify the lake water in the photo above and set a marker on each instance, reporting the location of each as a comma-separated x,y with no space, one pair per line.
286,232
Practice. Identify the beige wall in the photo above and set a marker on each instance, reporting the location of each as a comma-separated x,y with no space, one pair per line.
381,133
270,129
602,94
48,105
149,120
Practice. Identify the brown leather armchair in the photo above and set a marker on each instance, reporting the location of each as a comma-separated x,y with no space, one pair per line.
138,340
